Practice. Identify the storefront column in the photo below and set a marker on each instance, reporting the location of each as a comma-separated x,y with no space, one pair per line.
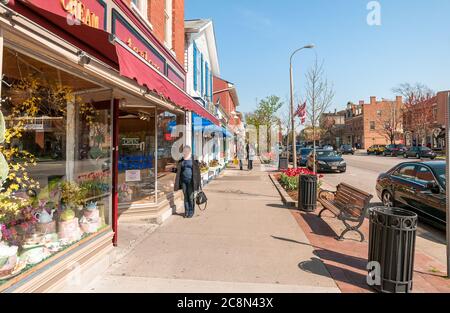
1,58
115,169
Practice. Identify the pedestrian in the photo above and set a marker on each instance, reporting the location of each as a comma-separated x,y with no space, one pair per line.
188,179
250,156
240,154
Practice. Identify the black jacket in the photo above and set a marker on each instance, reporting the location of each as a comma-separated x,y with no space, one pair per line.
195,173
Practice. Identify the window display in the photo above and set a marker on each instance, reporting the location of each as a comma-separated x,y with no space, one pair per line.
167,136
55,171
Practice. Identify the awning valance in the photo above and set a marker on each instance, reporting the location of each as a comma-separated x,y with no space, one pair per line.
133,67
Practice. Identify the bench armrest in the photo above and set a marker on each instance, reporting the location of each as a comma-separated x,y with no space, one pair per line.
327,194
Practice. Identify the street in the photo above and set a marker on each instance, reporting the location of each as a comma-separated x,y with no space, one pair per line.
362,172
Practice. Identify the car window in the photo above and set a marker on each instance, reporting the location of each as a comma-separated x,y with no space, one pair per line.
424,175
326,154
406,172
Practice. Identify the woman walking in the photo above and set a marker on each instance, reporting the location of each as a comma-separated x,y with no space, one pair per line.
188,179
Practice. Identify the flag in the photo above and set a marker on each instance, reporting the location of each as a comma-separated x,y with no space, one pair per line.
301,112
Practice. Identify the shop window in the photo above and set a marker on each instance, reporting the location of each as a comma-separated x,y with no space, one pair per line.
170,132
55,169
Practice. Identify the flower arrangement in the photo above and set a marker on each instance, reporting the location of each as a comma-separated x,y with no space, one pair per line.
214,163
289,178
204,167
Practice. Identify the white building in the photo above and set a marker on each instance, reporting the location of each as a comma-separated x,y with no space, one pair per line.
202,64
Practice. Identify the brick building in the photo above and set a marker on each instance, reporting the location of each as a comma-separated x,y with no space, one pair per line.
165,18
366,123
425,122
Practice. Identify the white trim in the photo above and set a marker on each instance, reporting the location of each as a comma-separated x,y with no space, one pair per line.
142,13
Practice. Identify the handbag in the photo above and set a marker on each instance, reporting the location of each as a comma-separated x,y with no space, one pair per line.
200,199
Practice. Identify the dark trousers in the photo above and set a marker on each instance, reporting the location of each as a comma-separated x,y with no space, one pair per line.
241,165
250,164
188,192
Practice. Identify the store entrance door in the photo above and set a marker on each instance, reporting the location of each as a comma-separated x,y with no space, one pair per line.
136,161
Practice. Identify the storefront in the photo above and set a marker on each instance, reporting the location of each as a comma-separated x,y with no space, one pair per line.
87,130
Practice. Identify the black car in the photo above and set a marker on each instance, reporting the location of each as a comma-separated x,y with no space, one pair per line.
417,186
394,150
419,153
327,161
346,149
303,156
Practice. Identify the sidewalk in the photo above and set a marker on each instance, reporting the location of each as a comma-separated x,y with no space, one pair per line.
246,241
346,260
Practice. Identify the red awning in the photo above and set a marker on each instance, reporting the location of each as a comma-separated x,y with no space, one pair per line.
48,13
134,68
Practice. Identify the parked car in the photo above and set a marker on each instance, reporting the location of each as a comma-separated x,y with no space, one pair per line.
346,149
417,186
327,161
420,152
303,156
394,150
376,149
328,147
291,154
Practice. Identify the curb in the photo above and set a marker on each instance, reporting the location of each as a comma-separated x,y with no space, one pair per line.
285,197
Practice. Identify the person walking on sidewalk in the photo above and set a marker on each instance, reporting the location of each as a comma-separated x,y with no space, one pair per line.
188,179
250,155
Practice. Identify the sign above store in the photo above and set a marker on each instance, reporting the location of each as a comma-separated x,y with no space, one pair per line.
80,12
91,13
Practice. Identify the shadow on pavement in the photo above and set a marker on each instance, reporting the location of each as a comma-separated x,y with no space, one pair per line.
342,267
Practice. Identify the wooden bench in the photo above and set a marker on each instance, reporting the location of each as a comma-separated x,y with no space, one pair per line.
348,204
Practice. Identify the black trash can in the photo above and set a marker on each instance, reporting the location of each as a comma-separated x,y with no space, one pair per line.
283,163
392,241
307,193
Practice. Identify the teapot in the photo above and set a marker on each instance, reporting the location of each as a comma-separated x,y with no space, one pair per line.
44,217
91,206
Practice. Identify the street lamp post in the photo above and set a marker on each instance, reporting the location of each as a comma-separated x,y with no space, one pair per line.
294,140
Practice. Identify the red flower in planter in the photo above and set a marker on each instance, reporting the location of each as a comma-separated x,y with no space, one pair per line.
292,172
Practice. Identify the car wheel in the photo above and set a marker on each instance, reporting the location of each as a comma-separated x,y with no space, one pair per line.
385,154
405,155
388,199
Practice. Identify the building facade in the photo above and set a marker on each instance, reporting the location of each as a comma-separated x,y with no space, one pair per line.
94,108
372,123
226,98
425,122
333,128
202,64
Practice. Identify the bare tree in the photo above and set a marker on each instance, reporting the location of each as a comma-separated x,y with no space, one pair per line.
319,93
418,115
319,96
391,122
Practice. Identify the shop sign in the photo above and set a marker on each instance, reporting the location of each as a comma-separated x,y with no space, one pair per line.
131,142
127,34
87,12
133,176
80,12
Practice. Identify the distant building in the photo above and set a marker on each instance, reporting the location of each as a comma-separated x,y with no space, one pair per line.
365,123
333,126
425,122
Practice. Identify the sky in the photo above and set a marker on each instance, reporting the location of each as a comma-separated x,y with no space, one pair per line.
256,37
